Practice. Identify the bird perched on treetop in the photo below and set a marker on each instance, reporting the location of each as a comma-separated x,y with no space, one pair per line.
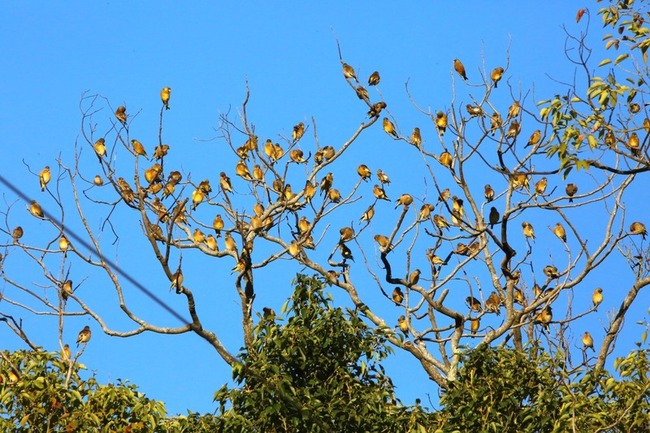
597,297
44,177
165,93
348,71
389,128
496,75
441,122
560,232
571,190
638,228
460,69
374,79
528,229
84,335
588,341
120,114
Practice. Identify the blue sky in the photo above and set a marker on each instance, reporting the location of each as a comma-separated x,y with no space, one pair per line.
207,52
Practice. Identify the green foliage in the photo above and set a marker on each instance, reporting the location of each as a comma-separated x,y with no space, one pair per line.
319,372
34,397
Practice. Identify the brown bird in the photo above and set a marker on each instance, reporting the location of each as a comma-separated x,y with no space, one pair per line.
364,172
328,152
514,110
383,242
534,138
462,249
241,170
414,278
488,193
474,110
638,228
404,200
35,209
540,186
138,148
269,314
416,138
347,233
493,303
544,317
560,232
230,243
537,290
398,296
551,271
84,335
224,182
382,177
597,297
588,341
441,122
258,174
348,71
446,159
297,156
298,132
571,190
98,181
444,195
310,191
475,324
379,193
495,122
513,130
496,75
519,180
120,114
66,289
375,110
433,258
425,211
473,303
362,93
326,182
528,230
17,233
165,93
389,128
368,214
334,195
44,177
160,151
440,222
403,325
374,79
460,69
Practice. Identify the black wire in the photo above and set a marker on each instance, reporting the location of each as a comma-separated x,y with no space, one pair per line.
78,239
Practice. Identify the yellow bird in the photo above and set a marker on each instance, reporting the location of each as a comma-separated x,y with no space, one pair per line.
588,341
211,242
433,258
528,230
646,125
518,297
100,147
231,245
416,138
297,156
474,110
347,233
44,177
334,195
403,325
224,182
495,122
460,69
379,193
496,75
597,297
348,71
364,172
551,271
258,174
519,180
310,191
404,200
328,152
241,170
488,192
493,303
160,151
64,244
258,208
475,324
540,186
514,110
326,182
414,278
638,228
513,130
383,242
559,231
17,233
441,122
138,148
571,190
218,224
446,159
241,265
84,335
473,303
633,144
398,296
120,114
35,209
257,224
304,225
298,131
66,354
165,93
425,211
444,195
440,222
537,290
368,214
98,181
177,280
534,138
382,177
198,236
544,317
66,289
457,205
389,128
197,198
153,173
374,79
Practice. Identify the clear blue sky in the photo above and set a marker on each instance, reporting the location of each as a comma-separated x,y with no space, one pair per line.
207,51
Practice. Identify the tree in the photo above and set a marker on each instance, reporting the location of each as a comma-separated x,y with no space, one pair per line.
41,391
465,260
